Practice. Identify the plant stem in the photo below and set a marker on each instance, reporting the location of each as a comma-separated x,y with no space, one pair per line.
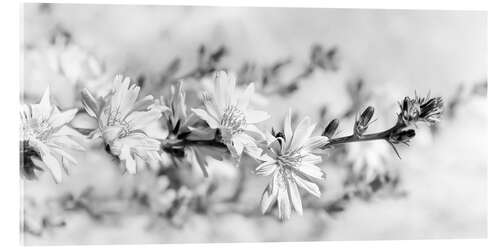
184,143
384,135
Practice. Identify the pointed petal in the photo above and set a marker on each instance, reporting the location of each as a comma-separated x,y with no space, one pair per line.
200,160
315,142
311,159
60,119
284,206
238,144
65,155
50,162
54,167
212,108
144,104
301,134
127,160
254,116
139,120
268,198
220,86
230,89
246,96
90,103
310,170
255,132
294,194
307,185
212,122
287,126
266,168
45,101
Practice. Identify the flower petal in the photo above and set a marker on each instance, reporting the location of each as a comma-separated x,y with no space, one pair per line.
301,134
266,168
54,166
244,99
90,103
310,171
268,198
45,101
49,160
254,116
294,194
287,126
127,160
57,120
284,206
212,122
63,154
307,185
315,142
311,158
125,96
211,107
255,132
238,144
139,120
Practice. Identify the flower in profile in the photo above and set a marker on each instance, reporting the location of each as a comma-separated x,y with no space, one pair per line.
46,138
291,160
420,109
121,119
230,114
182,129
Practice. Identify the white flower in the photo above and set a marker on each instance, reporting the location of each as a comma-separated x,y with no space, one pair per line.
231,114
120,119
180,126
257,99
45,132
292,163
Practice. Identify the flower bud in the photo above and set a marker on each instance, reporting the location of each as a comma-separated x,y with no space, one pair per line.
420,109
331,128
403,136
361,124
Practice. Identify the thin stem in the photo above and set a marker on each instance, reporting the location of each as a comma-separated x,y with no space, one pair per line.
183,143
384,135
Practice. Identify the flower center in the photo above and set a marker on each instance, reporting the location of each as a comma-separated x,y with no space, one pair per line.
233,119
38,129
290,160
115,119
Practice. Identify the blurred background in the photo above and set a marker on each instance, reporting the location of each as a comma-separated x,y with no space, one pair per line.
323,63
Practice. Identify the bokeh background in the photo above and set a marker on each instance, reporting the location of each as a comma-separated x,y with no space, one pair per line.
440,190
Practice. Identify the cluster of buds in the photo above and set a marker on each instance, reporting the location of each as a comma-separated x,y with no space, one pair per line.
420,109
412,111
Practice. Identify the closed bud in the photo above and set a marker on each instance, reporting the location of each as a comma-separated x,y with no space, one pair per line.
331,128
361,124
403,136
